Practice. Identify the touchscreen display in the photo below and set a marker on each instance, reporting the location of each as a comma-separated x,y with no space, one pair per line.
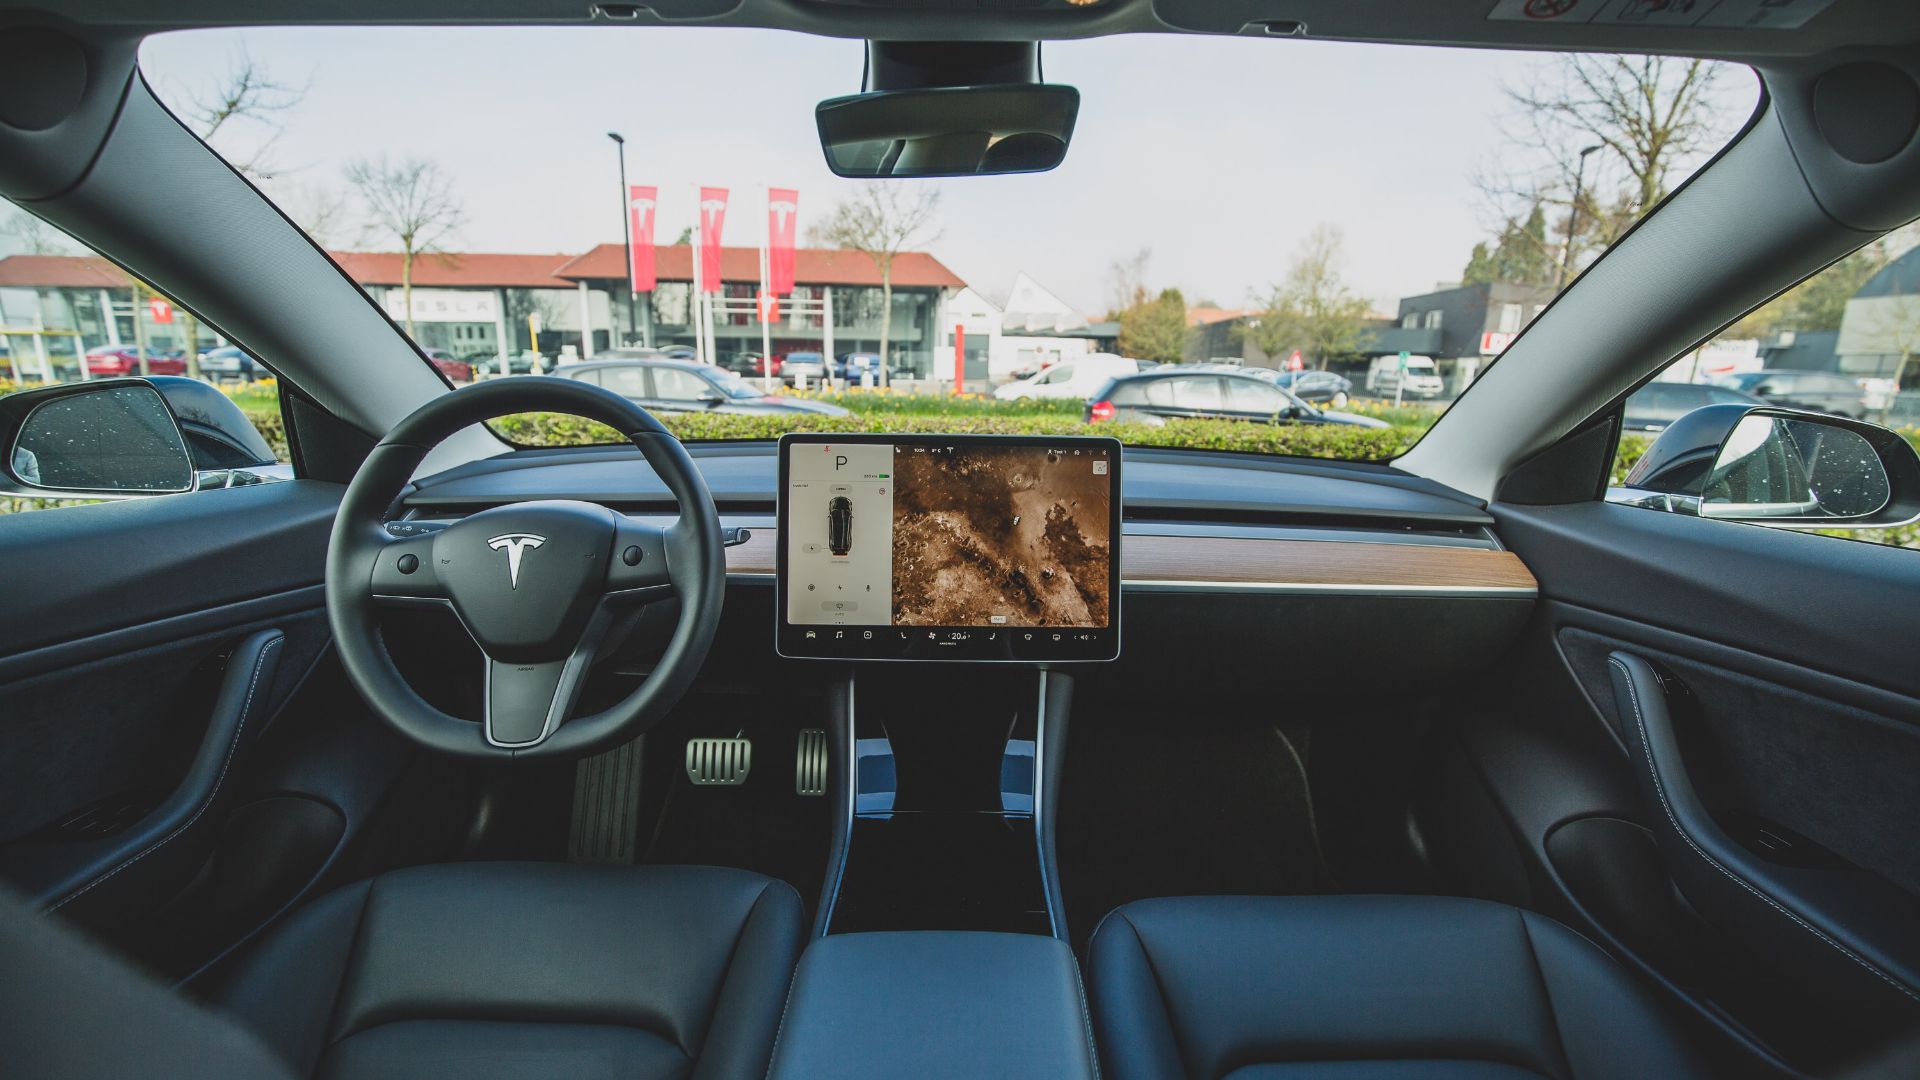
949,547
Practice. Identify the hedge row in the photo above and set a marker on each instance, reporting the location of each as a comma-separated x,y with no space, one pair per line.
888,403
1298,440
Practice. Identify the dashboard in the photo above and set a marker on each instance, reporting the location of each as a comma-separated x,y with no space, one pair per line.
1225,564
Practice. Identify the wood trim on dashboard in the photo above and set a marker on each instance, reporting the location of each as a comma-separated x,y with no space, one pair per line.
1246,564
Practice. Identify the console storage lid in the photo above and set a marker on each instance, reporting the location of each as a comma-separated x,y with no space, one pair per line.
935,1004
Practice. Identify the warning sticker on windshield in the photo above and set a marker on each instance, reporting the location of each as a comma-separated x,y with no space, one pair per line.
1735,14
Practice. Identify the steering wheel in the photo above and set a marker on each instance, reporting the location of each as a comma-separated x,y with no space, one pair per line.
536,584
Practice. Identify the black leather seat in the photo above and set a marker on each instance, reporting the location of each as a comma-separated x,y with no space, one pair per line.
1363,987
526,970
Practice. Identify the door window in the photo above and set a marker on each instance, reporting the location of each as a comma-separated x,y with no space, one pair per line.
1248,396
673,384
70,315
1852,332
1195,393
625,381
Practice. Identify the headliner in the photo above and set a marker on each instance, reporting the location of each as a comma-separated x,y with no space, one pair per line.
1842,23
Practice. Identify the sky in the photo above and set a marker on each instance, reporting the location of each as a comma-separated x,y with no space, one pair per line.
1218,154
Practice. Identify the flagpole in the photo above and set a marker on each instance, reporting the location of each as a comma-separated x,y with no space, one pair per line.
698,315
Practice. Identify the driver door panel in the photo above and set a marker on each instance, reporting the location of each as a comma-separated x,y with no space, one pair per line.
139,693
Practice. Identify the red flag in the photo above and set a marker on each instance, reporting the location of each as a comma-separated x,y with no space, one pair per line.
783,215
713,217
769,306
161,311
640,206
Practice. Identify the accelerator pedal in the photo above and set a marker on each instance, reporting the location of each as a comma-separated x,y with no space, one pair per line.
719,761
810,769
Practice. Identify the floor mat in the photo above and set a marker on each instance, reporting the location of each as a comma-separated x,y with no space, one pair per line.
1165,809
762,824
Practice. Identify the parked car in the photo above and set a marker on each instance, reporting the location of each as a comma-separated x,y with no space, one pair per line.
811,366
524,362
664,385
1420,379
230,362
750,364
1820,391
110,361
1076,378
1206,393
677,352
451,366
1657,404
1317,387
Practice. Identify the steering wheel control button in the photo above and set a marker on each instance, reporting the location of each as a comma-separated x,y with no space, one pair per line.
632,555
409,563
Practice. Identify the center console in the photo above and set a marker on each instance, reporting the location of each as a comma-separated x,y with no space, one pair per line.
983,569
945,812
933,1004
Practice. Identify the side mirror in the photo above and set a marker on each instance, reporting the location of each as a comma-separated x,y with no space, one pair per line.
710,397
1779,467
114,437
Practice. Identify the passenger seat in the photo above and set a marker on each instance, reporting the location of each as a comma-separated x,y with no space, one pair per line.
1366,988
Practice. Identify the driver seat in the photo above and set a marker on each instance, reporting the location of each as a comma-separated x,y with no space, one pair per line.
483,970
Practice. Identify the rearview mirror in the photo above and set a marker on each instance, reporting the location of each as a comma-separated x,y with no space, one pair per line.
948,131
1778,467
115,438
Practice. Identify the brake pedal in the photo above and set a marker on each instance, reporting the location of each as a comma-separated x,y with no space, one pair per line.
719,761
810,768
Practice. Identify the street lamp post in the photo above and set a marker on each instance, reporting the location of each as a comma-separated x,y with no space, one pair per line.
1573,214
626,230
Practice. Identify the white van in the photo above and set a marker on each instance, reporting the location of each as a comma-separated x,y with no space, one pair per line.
1421,378
1076,378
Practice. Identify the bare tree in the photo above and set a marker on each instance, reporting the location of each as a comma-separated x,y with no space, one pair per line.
411,202
885,218
1313,310
1652,118
246,96
30,234
1127,282
320,210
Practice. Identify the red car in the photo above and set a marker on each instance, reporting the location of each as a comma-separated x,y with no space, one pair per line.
452,367
109,361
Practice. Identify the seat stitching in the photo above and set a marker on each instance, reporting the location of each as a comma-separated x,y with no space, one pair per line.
780,1029
1546,991
733,955
347,971
1659,787
1159,988
246,710
1086,1015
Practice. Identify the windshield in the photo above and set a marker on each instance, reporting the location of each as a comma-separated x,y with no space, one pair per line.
519,200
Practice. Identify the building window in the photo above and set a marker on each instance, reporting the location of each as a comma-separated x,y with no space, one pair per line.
1410,321
1509,319
1433,319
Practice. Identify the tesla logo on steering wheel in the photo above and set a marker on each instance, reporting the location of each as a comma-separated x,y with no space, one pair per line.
515,545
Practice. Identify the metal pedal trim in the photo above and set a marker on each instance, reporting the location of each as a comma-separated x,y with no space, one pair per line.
810,764
719,761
